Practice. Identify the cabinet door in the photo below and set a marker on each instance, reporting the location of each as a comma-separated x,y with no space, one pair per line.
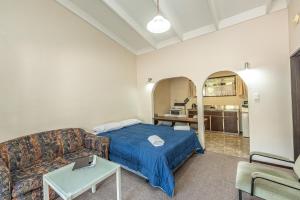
231,122
207,123
216,123
295,79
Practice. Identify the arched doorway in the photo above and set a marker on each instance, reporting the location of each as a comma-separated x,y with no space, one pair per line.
226,116
175,97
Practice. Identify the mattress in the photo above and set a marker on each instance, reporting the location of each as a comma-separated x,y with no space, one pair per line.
129,147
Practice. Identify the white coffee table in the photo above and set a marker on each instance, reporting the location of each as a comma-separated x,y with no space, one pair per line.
69,184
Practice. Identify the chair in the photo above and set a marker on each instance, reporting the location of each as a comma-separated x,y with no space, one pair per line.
268,182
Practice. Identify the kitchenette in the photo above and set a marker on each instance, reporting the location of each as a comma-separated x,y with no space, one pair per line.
226,116
226,104
231,119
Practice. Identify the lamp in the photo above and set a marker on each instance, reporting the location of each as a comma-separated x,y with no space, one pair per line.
158,24
150,84
297,19
247,65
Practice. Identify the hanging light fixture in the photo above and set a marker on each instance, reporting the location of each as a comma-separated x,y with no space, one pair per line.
158,24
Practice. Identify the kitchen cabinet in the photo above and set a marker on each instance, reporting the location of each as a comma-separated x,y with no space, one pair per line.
207,123
222,121
231,124
216,123
216,120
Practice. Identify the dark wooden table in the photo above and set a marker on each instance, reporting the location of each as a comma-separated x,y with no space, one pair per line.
175,119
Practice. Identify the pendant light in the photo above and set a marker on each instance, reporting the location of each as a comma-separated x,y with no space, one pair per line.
158,24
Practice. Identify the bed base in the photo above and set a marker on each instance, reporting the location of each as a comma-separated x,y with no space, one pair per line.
144,177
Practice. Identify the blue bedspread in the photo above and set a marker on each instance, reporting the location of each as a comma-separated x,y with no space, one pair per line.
129,146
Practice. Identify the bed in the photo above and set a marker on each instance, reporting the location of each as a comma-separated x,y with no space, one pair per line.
130,148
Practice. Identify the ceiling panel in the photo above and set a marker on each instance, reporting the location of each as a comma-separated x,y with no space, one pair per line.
142,11
105,16
125,21
229,8
191,14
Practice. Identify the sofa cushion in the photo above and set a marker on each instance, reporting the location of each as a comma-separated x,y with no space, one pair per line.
71,157
49,145
29,179
28,150
72,139
21,152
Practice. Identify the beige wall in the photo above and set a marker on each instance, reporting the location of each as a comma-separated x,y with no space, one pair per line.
294,8
169,91
230,100
179,89
57,71
162,96
263,42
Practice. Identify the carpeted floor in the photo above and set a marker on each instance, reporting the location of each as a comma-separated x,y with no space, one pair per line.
207,177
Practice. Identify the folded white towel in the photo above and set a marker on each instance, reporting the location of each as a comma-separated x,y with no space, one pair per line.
182,128
156,140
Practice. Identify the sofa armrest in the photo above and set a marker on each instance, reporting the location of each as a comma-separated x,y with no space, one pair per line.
97,143
274,179
5,181
268,155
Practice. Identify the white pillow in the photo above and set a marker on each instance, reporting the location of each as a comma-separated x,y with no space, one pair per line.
130,122
182,128
164,123
108,127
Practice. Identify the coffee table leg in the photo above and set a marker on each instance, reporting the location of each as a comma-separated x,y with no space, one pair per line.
46,190
119,196
93,188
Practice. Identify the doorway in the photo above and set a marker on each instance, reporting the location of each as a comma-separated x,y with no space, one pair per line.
226,115
295,84
176,98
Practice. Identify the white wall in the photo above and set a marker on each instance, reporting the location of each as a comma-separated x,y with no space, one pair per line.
294,8
57,71
169,91
179,89
162,96
264,43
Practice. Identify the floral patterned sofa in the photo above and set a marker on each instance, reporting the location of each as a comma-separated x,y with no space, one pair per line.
24,160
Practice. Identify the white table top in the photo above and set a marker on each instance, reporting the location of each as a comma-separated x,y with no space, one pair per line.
69,184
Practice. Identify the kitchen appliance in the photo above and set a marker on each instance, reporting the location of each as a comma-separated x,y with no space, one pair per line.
245,119
194,106
178,109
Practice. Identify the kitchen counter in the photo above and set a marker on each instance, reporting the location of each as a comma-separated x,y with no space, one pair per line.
224,120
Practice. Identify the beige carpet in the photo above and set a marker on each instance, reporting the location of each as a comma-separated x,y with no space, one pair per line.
207,177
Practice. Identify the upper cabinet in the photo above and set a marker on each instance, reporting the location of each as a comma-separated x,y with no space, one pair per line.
220,86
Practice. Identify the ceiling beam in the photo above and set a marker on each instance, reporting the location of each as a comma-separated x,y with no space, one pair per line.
166,12
268,6
214,12
95,23
115,7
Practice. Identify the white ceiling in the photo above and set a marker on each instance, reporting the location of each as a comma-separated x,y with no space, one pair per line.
125,20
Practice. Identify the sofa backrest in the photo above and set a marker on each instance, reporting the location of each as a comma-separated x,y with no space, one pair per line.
71,139
28,150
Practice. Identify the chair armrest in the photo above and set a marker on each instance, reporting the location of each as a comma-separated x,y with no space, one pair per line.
274,179
5,181
97,143
268,155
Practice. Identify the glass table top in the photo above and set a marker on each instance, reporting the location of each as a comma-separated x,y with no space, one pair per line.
68,182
